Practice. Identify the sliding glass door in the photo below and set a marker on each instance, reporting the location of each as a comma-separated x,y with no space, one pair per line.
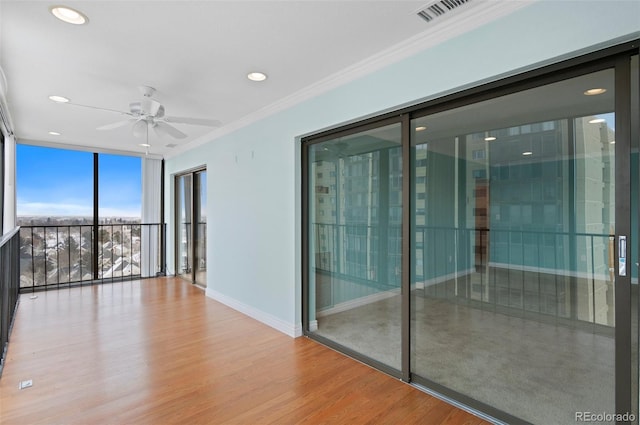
486,246
184,231
191,226
355,205
514,290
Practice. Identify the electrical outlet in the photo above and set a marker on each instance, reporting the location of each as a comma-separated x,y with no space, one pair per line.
25,384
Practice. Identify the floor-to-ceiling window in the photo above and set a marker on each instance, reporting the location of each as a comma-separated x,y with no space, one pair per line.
80,216
520,284
119,212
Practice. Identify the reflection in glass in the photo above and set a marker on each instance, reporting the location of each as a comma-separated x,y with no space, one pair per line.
512,295
200,207
355,214
184,239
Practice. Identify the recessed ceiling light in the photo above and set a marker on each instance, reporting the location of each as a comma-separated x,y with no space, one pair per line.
527,153
69,15
54,133
145,145
489,138
257,76
597,120
594,92
421,128
59,99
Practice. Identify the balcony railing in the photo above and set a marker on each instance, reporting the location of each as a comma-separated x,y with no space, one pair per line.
54,256
567,275
9,287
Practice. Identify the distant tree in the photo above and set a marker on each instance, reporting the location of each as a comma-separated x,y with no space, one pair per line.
86,261
25,241
66,258
104,236
87,238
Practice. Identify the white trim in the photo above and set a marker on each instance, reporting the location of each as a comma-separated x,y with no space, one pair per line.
9,215
472,16
313,325
291,329
151,194
83,148
358,302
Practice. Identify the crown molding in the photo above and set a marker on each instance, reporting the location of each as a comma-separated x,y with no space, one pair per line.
477,14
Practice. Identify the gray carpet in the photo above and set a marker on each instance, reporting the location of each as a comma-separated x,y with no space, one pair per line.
540,372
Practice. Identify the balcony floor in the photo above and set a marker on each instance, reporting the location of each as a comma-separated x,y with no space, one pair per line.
159,352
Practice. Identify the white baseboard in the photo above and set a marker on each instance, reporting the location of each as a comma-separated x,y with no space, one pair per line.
290,329
358,302
313,325
444,278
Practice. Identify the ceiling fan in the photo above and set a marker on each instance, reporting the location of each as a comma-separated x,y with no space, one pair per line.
149,113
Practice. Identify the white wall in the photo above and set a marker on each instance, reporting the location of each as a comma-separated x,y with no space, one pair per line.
254,173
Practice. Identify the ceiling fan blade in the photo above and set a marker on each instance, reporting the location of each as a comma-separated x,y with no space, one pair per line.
116,124
170,130
100,109
160,131
140,128
193,121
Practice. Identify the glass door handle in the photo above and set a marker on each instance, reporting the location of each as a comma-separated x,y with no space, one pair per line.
622,255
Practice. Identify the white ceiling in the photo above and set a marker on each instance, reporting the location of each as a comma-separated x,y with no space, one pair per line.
195,53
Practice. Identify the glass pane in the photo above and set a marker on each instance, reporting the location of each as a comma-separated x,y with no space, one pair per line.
183,231
512,294
119,211
201,228
55,211
355,219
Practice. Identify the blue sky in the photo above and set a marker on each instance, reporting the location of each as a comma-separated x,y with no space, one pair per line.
57,182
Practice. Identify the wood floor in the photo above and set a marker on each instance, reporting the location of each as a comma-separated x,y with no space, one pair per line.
159,352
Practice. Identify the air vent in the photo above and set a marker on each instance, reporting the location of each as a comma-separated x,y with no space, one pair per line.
438,8
171,145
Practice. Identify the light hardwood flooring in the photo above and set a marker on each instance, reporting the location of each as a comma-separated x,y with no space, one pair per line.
158,351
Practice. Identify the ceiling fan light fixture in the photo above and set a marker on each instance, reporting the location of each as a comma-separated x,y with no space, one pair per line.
58,99
257,76
69,15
